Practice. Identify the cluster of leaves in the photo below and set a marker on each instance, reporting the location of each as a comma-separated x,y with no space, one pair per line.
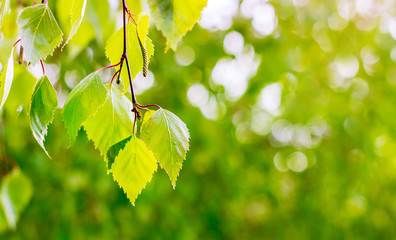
102,109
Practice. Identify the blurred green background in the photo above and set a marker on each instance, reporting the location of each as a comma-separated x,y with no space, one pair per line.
291,107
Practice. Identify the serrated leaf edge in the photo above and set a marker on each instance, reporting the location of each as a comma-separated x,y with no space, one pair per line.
92,115
61,38
151,178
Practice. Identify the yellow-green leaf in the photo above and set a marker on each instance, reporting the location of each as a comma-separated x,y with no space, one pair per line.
76,9
142,28
6,77
175,17
147,116
114,50
112,122
4,9
39,32
41,109
135,5
133,168
82,102
168,138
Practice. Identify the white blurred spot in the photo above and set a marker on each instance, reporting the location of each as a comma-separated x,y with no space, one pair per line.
218,14
347,65
368,55
392,27
233,43
142,84
248,6
264,19
114,4
301,137
282,131
184,55
212,109
198,95
384,21
270,98
234,74
346,9
364,7
297,162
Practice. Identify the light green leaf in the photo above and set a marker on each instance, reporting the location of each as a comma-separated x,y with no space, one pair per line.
142,28
136,5
6,77
82,102
114,50
4,9
113,121
133,168
41,109
168,138
76,15
16,192
39,32
147,116
174,18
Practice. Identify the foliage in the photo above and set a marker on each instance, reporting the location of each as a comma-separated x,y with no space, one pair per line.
290,108
106,114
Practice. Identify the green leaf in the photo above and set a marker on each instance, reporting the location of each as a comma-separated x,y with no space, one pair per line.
16,192
147,116
82,102
113,151
4,9
133,168
6,77
41,109
113,121
76,15
168,137
142,28
136,5
39,32
174,18
114,50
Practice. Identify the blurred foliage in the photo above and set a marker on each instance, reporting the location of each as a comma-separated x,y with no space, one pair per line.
292,135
